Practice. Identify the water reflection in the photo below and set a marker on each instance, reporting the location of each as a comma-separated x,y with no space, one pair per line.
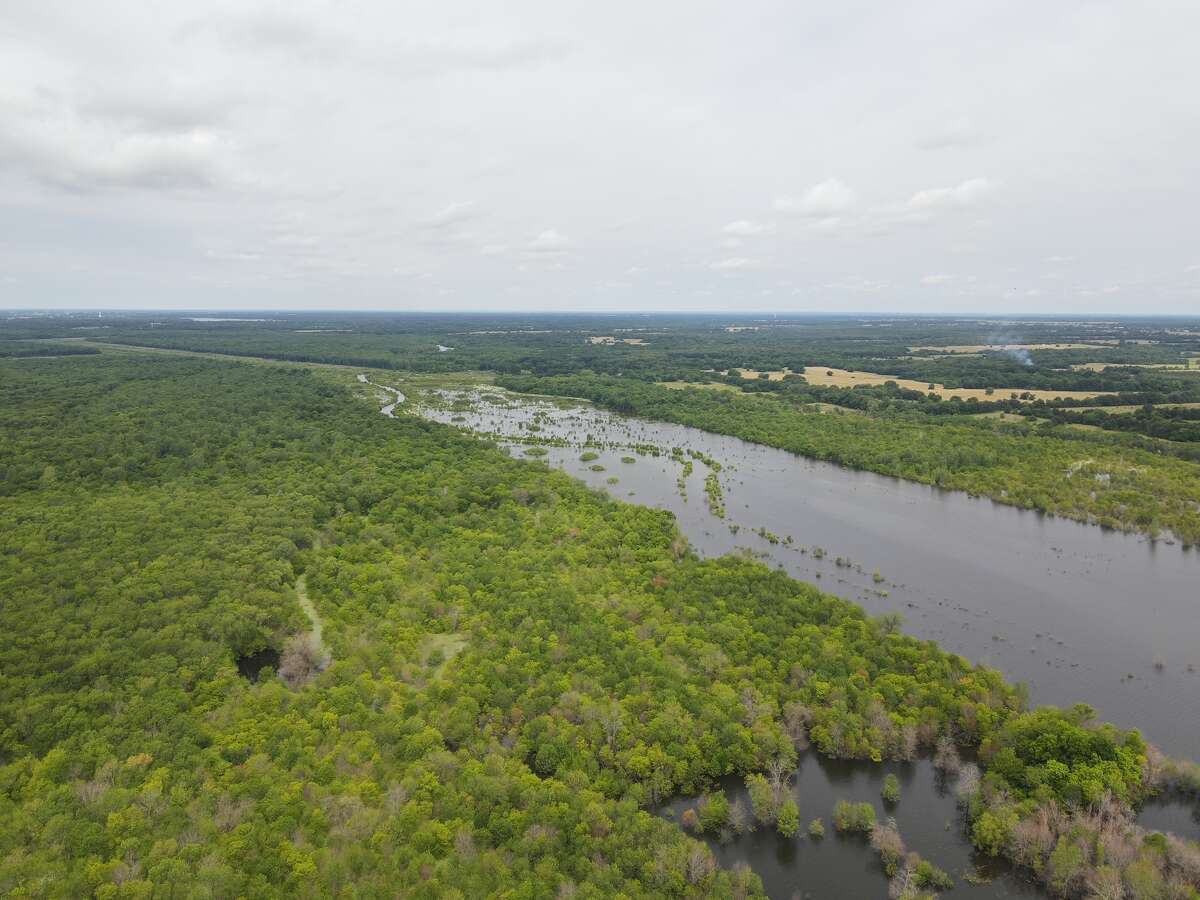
841,865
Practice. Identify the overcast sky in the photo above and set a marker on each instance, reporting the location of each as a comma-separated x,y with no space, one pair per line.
936,156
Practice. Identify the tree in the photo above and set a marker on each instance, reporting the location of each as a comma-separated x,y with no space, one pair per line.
789,818
713,810
990,833
762,799
891,789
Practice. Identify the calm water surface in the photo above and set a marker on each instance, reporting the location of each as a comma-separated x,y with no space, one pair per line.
839,865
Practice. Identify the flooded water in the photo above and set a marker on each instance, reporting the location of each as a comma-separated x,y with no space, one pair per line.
1172,812
1077,613
252,665
844,865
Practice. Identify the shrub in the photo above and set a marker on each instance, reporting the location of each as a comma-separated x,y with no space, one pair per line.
788,822
713,811
891,789
853,816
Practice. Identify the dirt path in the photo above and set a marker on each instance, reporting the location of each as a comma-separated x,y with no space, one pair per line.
306,604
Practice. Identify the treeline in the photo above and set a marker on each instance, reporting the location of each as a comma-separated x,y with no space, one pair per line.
1171,424
10,349
1119,487
890,400
675,347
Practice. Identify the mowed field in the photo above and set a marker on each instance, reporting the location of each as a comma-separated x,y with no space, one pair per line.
846,378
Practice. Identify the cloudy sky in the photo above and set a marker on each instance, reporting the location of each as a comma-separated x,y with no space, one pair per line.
930,156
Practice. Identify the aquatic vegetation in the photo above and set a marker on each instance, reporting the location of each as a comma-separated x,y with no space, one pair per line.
891,789
853,817
712,490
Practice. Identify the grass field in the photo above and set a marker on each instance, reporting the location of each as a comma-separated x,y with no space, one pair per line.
844,378
1130,408
710,385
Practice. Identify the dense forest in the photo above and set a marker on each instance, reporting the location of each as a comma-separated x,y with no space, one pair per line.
514,670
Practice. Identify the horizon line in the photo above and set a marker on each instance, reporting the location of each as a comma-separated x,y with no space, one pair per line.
242,312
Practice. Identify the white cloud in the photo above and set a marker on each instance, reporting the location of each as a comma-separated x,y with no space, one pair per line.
48,137
831,223
451,214
734,264
939,278
824,200
961,195
744,228
133,145
549,242
312,39
958,132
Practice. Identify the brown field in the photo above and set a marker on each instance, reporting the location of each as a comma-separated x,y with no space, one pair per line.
844,378
751,374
